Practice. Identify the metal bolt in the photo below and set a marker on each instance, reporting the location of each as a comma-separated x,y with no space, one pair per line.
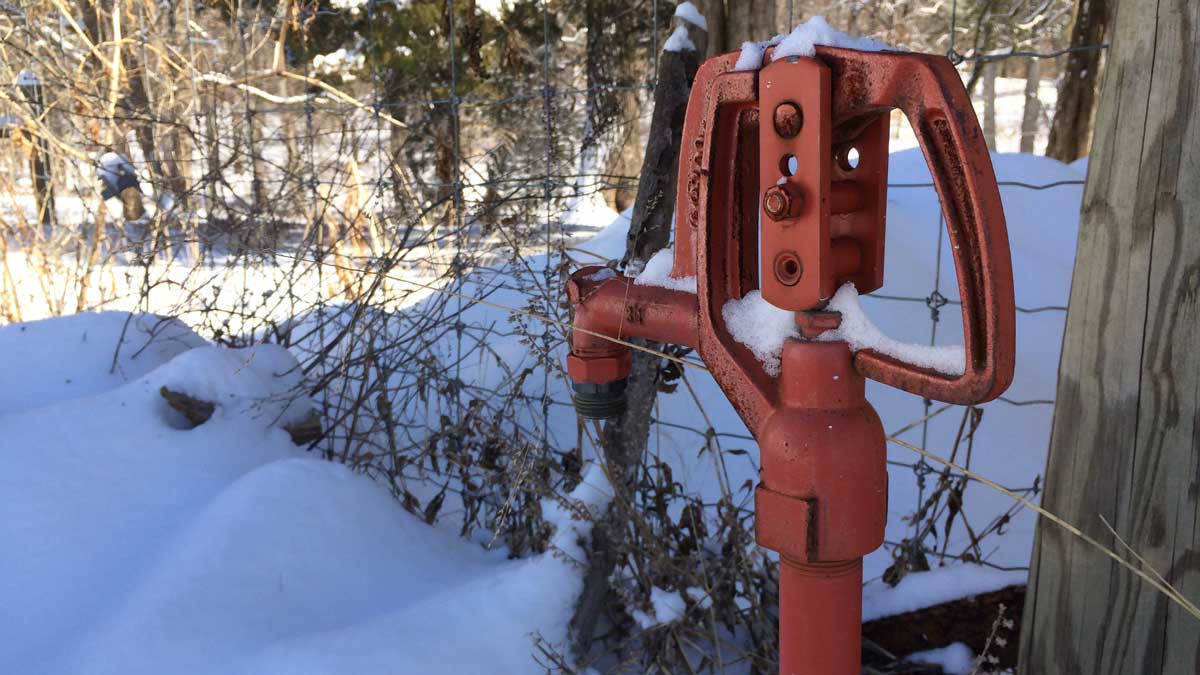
788,119
780,202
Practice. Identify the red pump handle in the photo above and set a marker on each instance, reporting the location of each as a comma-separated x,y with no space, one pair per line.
930,92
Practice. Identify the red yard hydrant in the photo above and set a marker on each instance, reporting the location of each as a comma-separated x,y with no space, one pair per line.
769,199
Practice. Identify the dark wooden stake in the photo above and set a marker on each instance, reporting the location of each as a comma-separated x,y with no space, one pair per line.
650,228
624,439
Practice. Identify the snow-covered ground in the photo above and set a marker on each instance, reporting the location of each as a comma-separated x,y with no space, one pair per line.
134,544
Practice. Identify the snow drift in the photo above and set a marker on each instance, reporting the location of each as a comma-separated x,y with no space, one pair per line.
136,545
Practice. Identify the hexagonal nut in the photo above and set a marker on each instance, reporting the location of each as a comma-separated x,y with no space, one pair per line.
782,201
600,369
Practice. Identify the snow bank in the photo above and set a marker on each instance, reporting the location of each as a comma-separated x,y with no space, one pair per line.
918,590
589,213
135,546
74,356
263,380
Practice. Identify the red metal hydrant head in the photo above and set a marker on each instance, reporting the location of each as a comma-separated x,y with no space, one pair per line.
822,220
768,202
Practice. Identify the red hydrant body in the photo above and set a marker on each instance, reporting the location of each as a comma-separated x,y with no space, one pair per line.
771,147
821,503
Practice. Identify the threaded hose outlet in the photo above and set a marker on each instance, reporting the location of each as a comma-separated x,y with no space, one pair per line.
599,401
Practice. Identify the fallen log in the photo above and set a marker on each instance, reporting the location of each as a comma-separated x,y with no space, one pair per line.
968,620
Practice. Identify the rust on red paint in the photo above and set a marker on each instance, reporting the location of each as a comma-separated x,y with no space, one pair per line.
782,188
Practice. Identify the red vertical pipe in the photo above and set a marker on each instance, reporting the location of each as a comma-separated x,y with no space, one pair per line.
820,617
822,505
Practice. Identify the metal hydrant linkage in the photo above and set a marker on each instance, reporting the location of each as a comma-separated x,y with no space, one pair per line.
801,146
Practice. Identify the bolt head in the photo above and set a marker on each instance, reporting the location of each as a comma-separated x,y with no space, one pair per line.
780,202
788,119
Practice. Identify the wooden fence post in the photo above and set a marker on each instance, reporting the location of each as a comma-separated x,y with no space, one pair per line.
1125,445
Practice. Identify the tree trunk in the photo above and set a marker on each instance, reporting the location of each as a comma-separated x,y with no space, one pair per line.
714,15
624,439
624,156
88,10
623,161
39,159
601,100
1125,444
212,141
756,20
1033,106
989,106
611,142
138,109
1070,133
258,164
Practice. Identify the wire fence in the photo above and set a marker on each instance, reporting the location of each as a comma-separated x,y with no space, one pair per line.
396,192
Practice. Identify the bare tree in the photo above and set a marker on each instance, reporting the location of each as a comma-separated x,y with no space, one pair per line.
989,105
1070,133
1033,105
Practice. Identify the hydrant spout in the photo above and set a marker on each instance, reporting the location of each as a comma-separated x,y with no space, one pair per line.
608,309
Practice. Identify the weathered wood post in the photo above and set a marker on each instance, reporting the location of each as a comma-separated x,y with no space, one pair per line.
1125,445
43,186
